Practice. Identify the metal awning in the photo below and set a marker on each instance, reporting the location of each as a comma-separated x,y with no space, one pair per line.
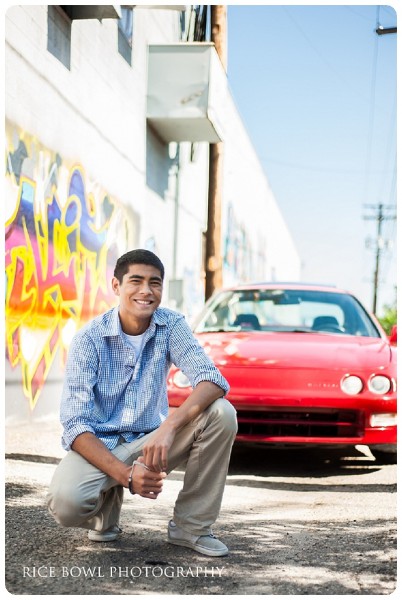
187,87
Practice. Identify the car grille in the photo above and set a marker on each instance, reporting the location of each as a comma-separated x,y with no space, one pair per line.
302,423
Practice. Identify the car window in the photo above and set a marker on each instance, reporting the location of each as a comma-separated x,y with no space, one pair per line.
286,310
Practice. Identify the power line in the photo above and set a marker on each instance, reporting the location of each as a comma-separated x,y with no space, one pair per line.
323,169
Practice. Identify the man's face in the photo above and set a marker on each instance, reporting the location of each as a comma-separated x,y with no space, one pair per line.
140,293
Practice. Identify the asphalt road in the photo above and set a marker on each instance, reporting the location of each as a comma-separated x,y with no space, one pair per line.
297,523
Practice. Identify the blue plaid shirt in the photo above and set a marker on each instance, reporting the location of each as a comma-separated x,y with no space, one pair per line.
107,392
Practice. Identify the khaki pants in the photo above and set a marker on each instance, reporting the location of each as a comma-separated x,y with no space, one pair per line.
80,495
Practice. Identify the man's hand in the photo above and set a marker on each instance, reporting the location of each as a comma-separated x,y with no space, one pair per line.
155,451
147,483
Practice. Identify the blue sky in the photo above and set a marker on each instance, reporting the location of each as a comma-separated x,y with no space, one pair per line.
316,89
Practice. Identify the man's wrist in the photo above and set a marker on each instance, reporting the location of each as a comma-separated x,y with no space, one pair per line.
131,475
124,475
171,423
130,479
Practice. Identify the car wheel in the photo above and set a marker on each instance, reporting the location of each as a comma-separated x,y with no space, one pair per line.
384,458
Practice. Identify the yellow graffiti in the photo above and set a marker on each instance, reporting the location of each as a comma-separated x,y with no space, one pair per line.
62,242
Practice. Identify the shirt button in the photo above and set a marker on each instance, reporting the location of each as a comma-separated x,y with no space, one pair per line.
131,357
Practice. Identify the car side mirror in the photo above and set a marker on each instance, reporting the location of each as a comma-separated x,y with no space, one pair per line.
393,336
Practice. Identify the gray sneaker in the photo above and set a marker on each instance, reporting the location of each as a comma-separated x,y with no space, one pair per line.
205,544
104,536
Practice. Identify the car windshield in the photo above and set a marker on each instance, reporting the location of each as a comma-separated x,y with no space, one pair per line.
294,310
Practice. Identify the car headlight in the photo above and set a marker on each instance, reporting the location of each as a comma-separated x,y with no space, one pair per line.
181,380
351,385
379,384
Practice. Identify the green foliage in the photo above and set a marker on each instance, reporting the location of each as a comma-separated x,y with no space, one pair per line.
389,318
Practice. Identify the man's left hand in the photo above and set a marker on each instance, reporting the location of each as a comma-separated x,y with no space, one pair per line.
156,450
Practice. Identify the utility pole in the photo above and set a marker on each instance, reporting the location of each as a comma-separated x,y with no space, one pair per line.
380,217
213,252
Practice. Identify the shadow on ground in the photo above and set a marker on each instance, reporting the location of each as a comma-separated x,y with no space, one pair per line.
301,557
265,460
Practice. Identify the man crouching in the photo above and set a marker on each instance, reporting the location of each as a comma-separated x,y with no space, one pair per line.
117,429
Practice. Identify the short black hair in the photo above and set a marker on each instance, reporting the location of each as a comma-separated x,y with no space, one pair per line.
137,257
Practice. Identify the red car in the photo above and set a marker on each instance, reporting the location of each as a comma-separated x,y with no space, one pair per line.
306,365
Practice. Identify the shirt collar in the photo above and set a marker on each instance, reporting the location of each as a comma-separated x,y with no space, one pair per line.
113,327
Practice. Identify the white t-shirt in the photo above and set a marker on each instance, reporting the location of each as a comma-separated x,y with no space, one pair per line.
136,342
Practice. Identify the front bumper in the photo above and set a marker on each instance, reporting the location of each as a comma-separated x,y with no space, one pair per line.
311,425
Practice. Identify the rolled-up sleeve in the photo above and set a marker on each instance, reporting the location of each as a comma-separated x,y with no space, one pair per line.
189,356
77,403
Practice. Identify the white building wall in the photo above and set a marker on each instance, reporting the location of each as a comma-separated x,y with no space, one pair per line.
91,115
94,115
94,112
192,223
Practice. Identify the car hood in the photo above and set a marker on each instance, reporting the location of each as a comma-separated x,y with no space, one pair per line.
296,350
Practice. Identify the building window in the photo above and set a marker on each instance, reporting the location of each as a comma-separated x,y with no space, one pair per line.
125,34
59,34
194,23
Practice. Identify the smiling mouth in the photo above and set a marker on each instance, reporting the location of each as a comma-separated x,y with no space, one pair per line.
144,302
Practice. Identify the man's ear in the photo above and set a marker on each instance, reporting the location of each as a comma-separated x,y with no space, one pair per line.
116,286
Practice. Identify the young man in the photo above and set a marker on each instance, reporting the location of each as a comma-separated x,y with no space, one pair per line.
117,429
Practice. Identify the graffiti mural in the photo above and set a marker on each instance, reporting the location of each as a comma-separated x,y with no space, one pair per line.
241,260
63,236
